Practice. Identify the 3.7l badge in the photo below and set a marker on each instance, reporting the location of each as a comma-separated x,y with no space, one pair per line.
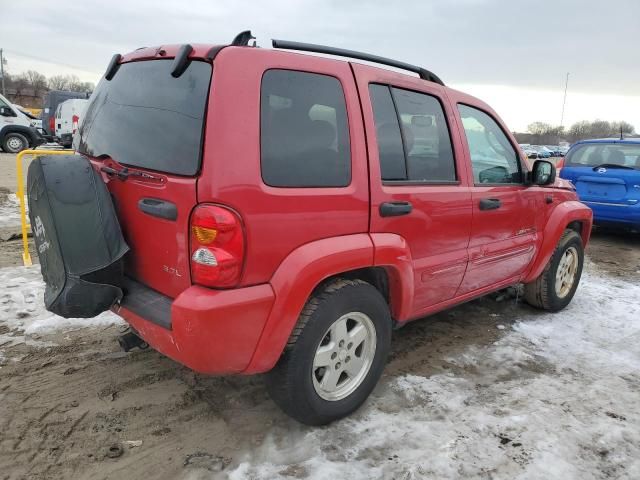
171,270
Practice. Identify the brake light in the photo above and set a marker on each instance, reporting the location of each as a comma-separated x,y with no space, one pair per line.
217,247
74,124
52,125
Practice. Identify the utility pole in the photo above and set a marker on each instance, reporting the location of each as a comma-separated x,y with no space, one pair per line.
564,100
2,70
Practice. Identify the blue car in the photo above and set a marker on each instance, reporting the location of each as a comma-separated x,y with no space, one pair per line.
606,174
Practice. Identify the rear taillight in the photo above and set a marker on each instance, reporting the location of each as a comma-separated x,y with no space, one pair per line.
74,124
52,125
217,247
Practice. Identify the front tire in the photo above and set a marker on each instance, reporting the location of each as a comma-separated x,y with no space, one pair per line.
335,355
14,143
556,286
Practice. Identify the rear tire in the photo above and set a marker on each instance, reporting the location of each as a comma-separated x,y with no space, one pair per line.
556,286
335,355
14,143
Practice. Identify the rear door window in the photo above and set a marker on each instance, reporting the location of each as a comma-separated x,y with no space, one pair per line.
146,118
413,137
304,132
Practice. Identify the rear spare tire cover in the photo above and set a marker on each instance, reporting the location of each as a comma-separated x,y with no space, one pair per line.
77,235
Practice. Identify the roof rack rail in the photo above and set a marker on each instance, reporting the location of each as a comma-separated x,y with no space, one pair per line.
340,52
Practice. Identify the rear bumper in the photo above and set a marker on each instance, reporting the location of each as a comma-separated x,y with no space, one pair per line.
625,214
210,331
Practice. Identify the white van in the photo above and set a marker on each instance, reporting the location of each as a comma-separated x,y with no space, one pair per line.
17,130
68,116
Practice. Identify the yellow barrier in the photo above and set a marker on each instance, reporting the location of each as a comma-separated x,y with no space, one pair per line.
26,257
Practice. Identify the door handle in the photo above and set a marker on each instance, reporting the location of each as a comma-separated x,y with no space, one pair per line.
158,208
490,203
395,209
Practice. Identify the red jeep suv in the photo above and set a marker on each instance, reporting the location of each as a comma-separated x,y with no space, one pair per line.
286,211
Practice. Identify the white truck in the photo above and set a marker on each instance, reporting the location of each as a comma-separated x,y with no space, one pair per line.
68,116
17,131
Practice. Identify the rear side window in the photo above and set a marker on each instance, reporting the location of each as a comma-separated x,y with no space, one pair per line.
413,137
304,132
605,154
146,118
493,157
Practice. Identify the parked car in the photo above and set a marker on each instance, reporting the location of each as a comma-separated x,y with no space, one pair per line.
555,150
529,151
606,174
542,152
281,219
17,130
68,116
52,99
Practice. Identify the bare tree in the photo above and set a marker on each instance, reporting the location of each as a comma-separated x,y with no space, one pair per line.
69,83
36,80
58,82
544,133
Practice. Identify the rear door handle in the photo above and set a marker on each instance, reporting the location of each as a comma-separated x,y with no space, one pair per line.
490,203
395,209
158,208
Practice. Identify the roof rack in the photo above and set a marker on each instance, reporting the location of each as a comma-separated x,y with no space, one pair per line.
340,52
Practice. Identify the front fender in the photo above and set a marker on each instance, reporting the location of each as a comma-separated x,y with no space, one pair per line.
562,215
294,281
32,134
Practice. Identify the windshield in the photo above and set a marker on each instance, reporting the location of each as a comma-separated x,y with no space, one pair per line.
594,154
146,118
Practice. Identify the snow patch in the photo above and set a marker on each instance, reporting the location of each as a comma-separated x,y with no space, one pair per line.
23,317
10,210
555,398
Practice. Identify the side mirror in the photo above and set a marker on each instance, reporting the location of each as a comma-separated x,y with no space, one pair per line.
543,173
7,112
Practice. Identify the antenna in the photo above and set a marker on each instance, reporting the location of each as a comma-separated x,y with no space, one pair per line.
564,100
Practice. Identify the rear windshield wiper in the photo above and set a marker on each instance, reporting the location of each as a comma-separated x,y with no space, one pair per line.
612,165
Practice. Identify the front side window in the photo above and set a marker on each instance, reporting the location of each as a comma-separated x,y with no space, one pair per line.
493,158
413,137
304,132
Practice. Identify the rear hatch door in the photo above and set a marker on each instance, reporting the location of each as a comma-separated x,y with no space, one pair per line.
143,129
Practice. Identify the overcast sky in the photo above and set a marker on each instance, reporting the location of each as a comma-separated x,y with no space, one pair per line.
513,54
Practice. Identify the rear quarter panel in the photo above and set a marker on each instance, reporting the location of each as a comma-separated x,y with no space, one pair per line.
276,220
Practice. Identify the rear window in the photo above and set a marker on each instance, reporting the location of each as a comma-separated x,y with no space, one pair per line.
595,154
304,133
146,118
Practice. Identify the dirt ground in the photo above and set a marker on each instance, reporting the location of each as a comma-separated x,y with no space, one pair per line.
8,170
84,409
